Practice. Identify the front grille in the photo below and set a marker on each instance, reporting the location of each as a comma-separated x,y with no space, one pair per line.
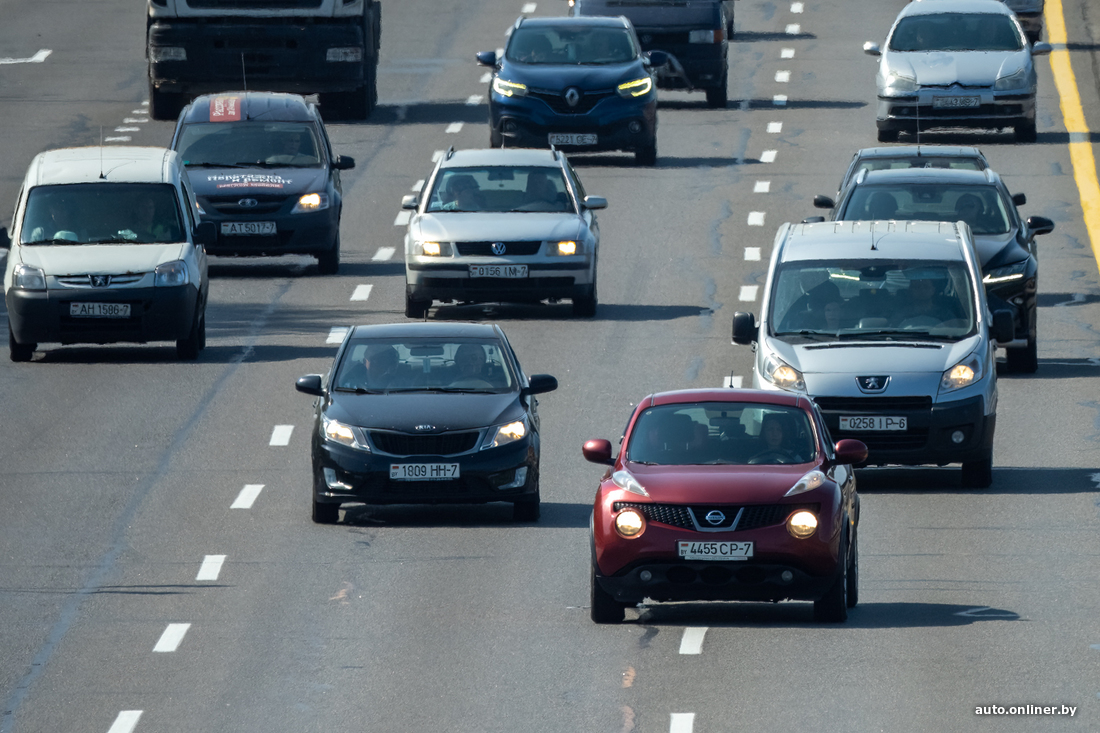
985,110
253,4
495,284
417,490
85,281
753,517
556,100
230,205
878,405
444,444
485,249
652,39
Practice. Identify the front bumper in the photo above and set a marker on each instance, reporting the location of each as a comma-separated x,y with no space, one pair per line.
307,233
528,121
996,110
565,277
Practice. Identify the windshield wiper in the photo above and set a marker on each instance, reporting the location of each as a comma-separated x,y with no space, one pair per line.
217,165
808,333
891,334
455,390
265,164
358,390
54,241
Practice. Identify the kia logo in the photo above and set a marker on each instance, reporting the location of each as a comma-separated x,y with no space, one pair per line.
572,96
715,517
424,428
872,384
498,248
248,203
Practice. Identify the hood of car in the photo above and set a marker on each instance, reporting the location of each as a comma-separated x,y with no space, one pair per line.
446,226
873,357
559,77
252,181
99,259
968,68
406,410
719,484
995,250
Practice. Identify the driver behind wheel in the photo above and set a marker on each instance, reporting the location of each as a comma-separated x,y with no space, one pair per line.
779,444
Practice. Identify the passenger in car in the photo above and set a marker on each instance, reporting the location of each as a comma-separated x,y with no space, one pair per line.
470,362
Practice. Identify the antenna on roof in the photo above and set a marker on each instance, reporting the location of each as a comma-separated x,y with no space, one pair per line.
917,107
244,74
102,175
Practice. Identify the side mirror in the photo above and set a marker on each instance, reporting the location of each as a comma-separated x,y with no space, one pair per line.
594,202
487,58
539,383
598,451
1040,225
205,233
5,240
850,451
410,202
1003,328
823,202
872,49
1019,199
1041,49
343,162
310,384
745,330
813,220
656,59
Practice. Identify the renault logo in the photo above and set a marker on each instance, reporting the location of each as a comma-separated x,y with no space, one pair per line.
100,281
872,384
715,517
572,96
498,248
248,203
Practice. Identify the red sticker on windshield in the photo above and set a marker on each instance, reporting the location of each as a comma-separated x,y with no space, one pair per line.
225,109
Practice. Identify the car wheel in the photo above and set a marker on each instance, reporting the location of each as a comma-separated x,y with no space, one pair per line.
187,349
415,308
853,570
1025,132
978,474
605,609
585,305
496,140
18,351
328,263
887,136
718,97
323,513
165,105
833,606
1025,360
647,154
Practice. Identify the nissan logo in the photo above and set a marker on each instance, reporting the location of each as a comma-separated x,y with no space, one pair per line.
248,203
572,96
498,248
715,517
872,384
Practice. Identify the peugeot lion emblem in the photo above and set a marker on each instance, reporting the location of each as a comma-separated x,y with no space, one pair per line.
423,428
498,248
100,281
572,96
248,203
715,517
872,384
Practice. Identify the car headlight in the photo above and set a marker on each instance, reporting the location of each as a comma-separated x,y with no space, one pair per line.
636,88
629,523
509,88
809,482
1004,274
1012,81
626,481
564,248
337,432
171,274
898,83
783,375
965,373
505,434
432,249
310,202
25,277
802,524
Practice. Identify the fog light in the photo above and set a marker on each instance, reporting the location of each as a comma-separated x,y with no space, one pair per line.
787,576
802,524
519,480
958,436
508,125
1018,300
645,576
634,126
629,523
332,482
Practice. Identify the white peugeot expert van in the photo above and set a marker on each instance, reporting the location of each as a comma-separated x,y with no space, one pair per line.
886,326
104,248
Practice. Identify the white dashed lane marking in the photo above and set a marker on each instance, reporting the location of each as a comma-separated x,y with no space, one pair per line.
793,29
38,58
756,218
126,721
336,335
172,637
486,77
768,156
762,187
529,8
782,76
779,100
473,100
247,496
280,435
127,129
775,127
134,120
383,254
752,254
453,127
731,382
437,155
786,53
211,566
362,292
682,723
692,642
748,293
402,218
418,186
117,139
796,7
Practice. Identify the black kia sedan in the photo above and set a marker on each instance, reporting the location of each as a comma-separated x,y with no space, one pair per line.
425,413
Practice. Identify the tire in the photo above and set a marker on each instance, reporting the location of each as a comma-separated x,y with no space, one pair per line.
605,609
718,97
416,308
853,570
978,474
323,513
18,351
833,606
585,306
1025,132
528,509
887,136
1025,360
165,105
187,349
328,263
647,155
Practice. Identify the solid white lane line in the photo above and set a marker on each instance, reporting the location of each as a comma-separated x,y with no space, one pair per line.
793,29
748,293
529,8
453,127
337,334
692,642
362,292
786,53
775,127
756,218
682,723
796,7
762,187
383,254
437,155
118,139
126,721
779,100
171,638
211,566
247,496
402,218
280,434
768,156
486,77
127,129
38,58
752,254
782,76
731,382
473,100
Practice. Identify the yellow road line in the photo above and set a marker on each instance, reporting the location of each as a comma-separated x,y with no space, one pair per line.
1080,147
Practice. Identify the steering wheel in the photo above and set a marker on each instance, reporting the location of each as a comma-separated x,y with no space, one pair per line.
772,456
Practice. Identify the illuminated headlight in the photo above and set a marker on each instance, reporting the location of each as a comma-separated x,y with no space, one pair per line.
170,274
28,278
783,375
636,88
706,36
505,434
1005,274
167,53
629,523
199,210
809,482
432,249
337,432
1012,81
626,481
965,373
802,524
509,88
350,53
566,248
898,83
310,202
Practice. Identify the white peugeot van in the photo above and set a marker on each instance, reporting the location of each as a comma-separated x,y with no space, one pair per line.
885,325
104,249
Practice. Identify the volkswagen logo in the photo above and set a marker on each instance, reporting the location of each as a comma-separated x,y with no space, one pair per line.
424,428
872,384
498,248
572,96
715,517
100,281
248,203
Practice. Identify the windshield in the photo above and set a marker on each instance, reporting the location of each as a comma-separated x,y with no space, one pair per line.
251,143
425,365
828,300
571,45
982,207
501,188
89,213
721,433
918,161
956,32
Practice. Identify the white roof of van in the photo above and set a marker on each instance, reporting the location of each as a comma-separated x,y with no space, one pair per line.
865,240
113,164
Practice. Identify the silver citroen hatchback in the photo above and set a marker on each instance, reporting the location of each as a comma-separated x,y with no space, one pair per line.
885,325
